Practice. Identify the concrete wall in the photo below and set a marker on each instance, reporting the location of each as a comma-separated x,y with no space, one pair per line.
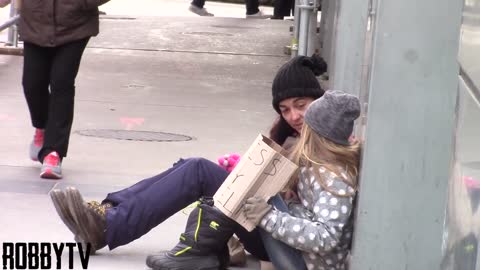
408,151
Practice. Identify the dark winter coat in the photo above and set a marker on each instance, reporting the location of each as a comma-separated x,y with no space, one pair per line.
50,23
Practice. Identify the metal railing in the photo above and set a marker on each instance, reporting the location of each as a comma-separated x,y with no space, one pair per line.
11,24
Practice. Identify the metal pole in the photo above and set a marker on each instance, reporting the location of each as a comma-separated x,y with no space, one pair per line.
296,27
306,9
303,33
12,31
327,31
9,23
322,32
313,42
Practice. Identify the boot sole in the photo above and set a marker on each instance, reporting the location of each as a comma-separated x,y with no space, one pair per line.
50,174
169,262
75,201
61,206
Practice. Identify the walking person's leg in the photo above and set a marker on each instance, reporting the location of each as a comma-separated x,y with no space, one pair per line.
65,65
252,6
252,10
35,80
197,7
198,3
282,8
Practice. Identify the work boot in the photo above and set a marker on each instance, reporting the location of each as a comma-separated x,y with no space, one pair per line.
203,245
89,217
61,206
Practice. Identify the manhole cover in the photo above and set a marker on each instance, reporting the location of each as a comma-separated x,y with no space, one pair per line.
207,34
133,135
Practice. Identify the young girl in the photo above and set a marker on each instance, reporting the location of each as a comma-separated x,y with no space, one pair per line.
312,230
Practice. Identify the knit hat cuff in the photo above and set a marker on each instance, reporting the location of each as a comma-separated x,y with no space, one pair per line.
295,92
332,116
325,134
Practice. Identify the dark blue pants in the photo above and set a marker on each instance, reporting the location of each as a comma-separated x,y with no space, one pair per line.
143,206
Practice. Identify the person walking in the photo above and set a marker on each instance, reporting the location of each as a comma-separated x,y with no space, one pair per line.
283,8
55,34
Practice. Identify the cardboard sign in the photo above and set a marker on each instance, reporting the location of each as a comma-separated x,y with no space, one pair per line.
262,171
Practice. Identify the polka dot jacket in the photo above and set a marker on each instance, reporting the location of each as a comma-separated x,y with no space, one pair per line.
320,224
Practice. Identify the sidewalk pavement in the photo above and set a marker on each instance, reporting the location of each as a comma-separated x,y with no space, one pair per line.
207,78
157,8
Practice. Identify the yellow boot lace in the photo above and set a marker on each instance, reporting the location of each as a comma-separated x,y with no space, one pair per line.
98,207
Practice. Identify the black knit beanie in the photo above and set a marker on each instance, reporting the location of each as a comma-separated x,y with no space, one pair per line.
297,78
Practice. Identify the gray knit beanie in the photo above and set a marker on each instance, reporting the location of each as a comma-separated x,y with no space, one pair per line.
332,116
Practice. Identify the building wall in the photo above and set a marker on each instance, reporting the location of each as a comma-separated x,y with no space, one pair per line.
401,217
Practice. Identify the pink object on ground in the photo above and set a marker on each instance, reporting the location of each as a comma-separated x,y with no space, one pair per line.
471,182
229,161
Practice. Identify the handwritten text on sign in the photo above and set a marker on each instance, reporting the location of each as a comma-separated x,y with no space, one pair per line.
263,171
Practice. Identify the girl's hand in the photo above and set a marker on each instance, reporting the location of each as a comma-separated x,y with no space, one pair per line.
255,208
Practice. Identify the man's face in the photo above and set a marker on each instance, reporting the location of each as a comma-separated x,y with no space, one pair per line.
293,110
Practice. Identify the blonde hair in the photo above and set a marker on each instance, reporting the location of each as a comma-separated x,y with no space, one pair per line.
316,151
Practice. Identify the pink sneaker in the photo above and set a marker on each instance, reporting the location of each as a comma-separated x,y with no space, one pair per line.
36,144
51,166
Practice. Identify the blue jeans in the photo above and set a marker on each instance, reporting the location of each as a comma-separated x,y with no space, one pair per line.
146,204
281,255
